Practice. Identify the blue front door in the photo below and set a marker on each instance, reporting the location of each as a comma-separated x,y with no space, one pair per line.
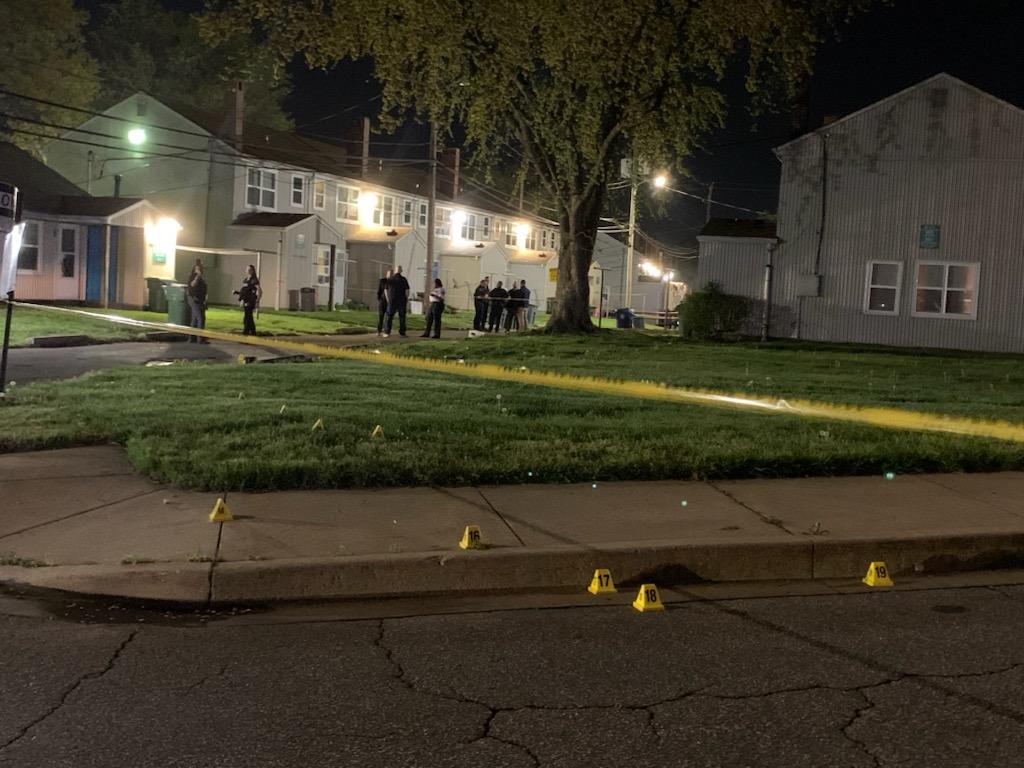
94,265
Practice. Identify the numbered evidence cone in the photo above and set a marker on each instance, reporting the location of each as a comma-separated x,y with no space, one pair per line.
378,431
648,599
220,513
878,575
602,582
471,538
318,424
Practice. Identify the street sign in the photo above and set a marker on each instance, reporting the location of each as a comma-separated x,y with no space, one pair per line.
9,260
930,235
8,207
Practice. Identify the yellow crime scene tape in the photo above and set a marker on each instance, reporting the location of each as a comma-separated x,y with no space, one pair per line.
890,418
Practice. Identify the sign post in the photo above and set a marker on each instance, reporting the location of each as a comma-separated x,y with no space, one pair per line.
10,234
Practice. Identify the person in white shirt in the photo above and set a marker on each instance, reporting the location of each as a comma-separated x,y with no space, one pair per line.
435,310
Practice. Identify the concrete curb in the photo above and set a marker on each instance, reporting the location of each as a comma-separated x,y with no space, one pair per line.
525,569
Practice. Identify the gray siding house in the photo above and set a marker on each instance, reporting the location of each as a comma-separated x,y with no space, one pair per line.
243,194
900,224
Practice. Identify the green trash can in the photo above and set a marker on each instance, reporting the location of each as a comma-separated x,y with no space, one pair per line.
156,301
177,304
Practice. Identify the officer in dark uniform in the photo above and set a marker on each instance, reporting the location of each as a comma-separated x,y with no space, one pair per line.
382,301
480,305
398,299
249,294
498,298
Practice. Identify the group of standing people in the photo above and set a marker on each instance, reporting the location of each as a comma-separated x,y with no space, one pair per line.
196,291
497,307
393,299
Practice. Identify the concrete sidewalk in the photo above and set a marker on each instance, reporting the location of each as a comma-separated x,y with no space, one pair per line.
82,520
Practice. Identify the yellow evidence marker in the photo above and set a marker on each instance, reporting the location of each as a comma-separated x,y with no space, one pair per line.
318,424
878,575
220,513
602,582
471,538
648,599
378,431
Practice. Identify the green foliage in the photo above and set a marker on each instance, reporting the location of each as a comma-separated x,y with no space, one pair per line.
141,45
43,56
572,85
712,314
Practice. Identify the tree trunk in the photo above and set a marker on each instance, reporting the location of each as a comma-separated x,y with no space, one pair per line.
571,313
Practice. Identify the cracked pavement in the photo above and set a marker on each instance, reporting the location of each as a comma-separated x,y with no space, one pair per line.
930,677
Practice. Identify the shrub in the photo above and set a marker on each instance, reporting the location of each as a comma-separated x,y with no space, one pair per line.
711,313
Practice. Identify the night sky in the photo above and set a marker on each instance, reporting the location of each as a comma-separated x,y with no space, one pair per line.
883,51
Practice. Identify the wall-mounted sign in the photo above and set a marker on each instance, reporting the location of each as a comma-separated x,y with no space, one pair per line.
930,234
159,257
300,241
553,275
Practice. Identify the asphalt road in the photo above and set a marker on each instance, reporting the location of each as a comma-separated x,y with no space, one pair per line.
910,678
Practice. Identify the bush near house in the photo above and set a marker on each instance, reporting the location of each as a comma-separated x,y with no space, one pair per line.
711,313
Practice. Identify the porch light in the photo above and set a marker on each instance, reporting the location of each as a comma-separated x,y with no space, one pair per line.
136,136
650,270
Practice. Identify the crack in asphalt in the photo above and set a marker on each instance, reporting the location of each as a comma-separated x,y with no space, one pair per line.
857,715
207,678
118,651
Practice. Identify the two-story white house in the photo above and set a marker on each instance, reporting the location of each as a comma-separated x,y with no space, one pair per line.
285,202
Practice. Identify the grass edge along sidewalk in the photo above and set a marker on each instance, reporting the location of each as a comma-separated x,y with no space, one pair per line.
889,418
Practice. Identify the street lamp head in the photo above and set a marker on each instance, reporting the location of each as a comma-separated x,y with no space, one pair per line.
660,180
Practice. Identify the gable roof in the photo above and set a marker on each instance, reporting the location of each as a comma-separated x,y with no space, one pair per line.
268,219
755,228
43,190
943,77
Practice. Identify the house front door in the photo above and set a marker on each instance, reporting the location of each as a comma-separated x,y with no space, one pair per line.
67,274
94,265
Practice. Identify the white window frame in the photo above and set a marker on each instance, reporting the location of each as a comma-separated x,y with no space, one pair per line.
511,238
384,211
347,203
485,227
421,218
319,194
301,189
443,222
543,239
469,227
531,239
943,315
266,183
37,246
407,212
868,285
64,253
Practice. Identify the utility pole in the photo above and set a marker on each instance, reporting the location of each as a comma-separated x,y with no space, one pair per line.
431,209
707,209
634,185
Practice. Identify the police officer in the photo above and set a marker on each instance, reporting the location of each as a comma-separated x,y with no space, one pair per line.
498,298
398,298
249,294
480,305
435,310
382,301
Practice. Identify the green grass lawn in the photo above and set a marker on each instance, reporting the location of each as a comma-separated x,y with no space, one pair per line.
975,385
186,424
28,323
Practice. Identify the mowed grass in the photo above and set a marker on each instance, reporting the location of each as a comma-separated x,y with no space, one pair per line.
30,322
221,427
983,386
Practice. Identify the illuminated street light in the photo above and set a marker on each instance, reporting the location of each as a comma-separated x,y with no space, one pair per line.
137,136
660,180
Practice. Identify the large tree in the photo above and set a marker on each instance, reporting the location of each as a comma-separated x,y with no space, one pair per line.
43,56
574,85
143,45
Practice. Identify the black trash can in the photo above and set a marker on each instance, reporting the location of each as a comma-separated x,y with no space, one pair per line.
156,299
307,299
624,317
